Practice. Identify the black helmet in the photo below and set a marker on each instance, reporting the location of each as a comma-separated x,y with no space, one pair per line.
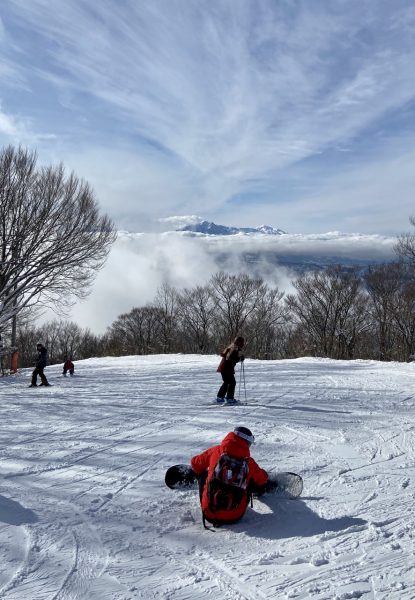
245,434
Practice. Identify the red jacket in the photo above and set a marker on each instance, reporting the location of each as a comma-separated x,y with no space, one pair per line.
237,447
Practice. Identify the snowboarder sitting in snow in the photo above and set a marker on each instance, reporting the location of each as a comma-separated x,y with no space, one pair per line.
68,366
41,362
228,476
230,357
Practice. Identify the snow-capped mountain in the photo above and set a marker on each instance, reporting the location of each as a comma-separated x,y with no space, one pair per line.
269,230
210,228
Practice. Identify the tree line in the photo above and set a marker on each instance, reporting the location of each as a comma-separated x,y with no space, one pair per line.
336,313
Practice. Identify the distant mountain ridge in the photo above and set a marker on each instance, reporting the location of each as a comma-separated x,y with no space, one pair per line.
210,228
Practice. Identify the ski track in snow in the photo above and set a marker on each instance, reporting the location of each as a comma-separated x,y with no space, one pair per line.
85,515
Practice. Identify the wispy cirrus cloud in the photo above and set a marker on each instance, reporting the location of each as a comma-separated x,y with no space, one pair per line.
8,127
220,98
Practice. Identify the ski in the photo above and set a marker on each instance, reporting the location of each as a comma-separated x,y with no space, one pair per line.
217,405
282,484
224,404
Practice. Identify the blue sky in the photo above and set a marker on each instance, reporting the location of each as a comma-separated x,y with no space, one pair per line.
299,114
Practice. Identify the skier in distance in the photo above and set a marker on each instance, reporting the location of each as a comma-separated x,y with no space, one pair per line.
68,366
41,362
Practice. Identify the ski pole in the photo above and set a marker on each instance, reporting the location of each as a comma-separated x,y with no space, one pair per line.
243,371
240,379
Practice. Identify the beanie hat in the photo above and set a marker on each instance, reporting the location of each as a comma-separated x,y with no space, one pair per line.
245,433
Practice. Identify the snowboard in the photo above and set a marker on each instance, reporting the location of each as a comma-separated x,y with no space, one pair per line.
283,485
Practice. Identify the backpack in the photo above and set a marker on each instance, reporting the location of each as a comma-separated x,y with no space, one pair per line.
228,484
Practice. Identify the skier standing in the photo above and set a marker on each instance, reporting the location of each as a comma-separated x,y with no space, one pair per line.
230,357
228,476
41,362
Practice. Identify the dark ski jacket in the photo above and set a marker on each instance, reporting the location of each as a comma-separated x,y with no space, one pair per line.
42,357
230,357
236,447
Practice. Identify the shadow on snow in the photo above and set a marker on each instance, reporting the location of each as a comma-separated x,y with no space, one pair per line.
293,518
13,513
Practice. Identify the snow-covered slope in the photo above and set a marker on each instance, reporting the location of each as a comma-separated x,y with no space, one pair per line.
84,513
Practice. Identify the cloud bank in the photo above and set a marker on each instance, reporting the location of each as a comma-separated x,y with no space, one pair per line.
139,263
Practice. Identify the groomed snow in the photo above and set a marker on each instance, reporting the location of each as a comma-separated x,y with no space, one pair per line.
85,514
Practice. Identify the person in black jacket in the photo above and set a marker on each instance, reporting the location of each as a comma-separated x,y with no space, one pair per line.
41,362
230,357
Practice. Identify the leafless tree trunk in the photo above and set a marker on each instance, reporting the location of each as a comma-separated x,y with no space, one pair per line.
52,237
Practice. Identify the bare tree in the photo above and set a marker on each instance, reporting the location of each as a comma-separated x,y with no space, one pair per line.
264,328
27,338
167,301
383,284
52,238
236,297
311,308
136,332
69,337
404,318
405,247
49,336
196,309
89,345
326,307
